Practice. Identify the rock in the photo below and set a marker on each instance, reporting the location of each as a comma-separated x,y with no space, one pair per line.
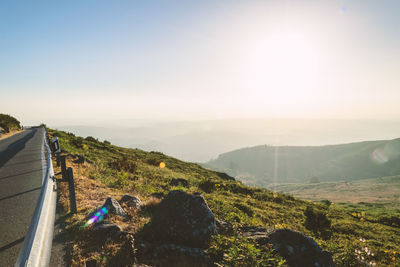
179,181
257,234
299,250
172,255
113,207
91,263
131,201
223,227
261,238
252,229
106,229
128,251
123,235
184,219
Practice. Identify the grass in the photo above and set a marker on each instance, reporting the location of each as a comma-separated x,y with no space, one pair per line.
376,190
355,234
9,123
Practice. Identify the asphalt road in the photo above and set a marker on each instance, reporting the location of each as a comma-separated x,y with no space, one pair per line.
20,184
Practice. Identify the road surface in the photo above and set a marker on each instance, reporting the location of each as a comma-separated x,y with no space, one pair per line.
20,184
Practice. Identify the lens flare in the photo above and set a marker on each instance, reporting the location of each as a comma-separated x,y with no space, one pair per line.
98,216
162,165
379,156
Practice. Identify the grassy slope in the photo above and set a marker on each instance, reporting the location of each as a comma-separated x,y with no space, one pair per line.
229,200
262,165
9,123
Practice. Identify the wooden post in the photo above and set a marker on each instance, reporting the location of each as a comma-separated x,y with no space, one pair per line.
72,198
58,159
63,168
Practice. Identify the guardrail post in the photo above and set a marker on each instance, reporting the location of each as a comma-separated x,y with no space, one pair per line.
71,186
63,167
55,145
58,159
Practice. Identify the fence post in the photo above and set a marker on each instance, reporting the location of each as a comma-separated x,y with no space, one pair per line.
58,159
72,198
63,167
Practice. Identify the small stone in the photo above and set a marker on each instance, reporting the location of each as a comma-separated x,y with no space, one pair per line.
91,263
260,235
113,207
106,229
223,227
131,201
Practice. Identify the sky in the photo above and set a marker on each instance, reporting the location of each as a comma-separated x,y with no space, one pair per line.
96,62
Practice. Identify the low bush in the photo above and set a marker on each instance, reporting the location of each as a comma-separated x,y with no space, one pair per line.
316,220
390,220
207,185
91,139
123,164
237,251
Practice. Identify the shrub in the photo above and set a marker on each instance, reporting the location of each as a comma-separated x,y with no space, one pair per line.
245,208
326,202
207,185
107,142
238,188
9,123
237,251
153,161
91,139
77,142
316,220
124,164
263,196
390,220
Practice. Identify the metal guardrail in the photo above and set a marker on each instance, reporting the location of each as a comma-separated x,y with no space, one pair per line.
36,250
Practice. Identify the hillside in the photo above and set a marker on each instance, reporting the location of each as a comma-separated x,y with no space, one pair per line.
9,123
353,236
263,165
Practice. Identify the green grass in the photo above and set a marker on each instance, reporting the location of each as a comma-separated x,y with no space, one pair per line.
9,123
351,228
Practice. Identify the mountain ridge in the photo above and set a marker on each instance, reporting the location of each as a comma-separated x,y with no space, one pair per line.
260,165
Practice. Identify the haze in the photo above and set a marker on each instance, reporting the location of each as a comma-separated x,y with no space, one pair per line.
127,64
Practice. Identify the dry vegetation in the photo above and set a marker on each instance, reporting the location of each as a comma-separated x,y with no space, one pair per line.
117,171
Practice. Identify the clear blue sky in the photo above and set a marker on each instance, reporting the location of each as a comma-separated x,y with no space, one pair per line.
94,61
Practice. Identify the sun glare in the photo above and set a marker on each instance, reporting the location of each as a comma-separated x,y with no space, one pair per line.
283,67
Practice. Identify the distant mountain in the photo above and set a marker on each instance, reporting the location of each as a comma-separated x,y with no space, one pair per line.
263,165
199,141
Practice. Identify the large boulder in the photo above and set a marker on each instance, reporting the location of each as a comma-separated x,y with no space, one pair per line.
184,219
299,250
